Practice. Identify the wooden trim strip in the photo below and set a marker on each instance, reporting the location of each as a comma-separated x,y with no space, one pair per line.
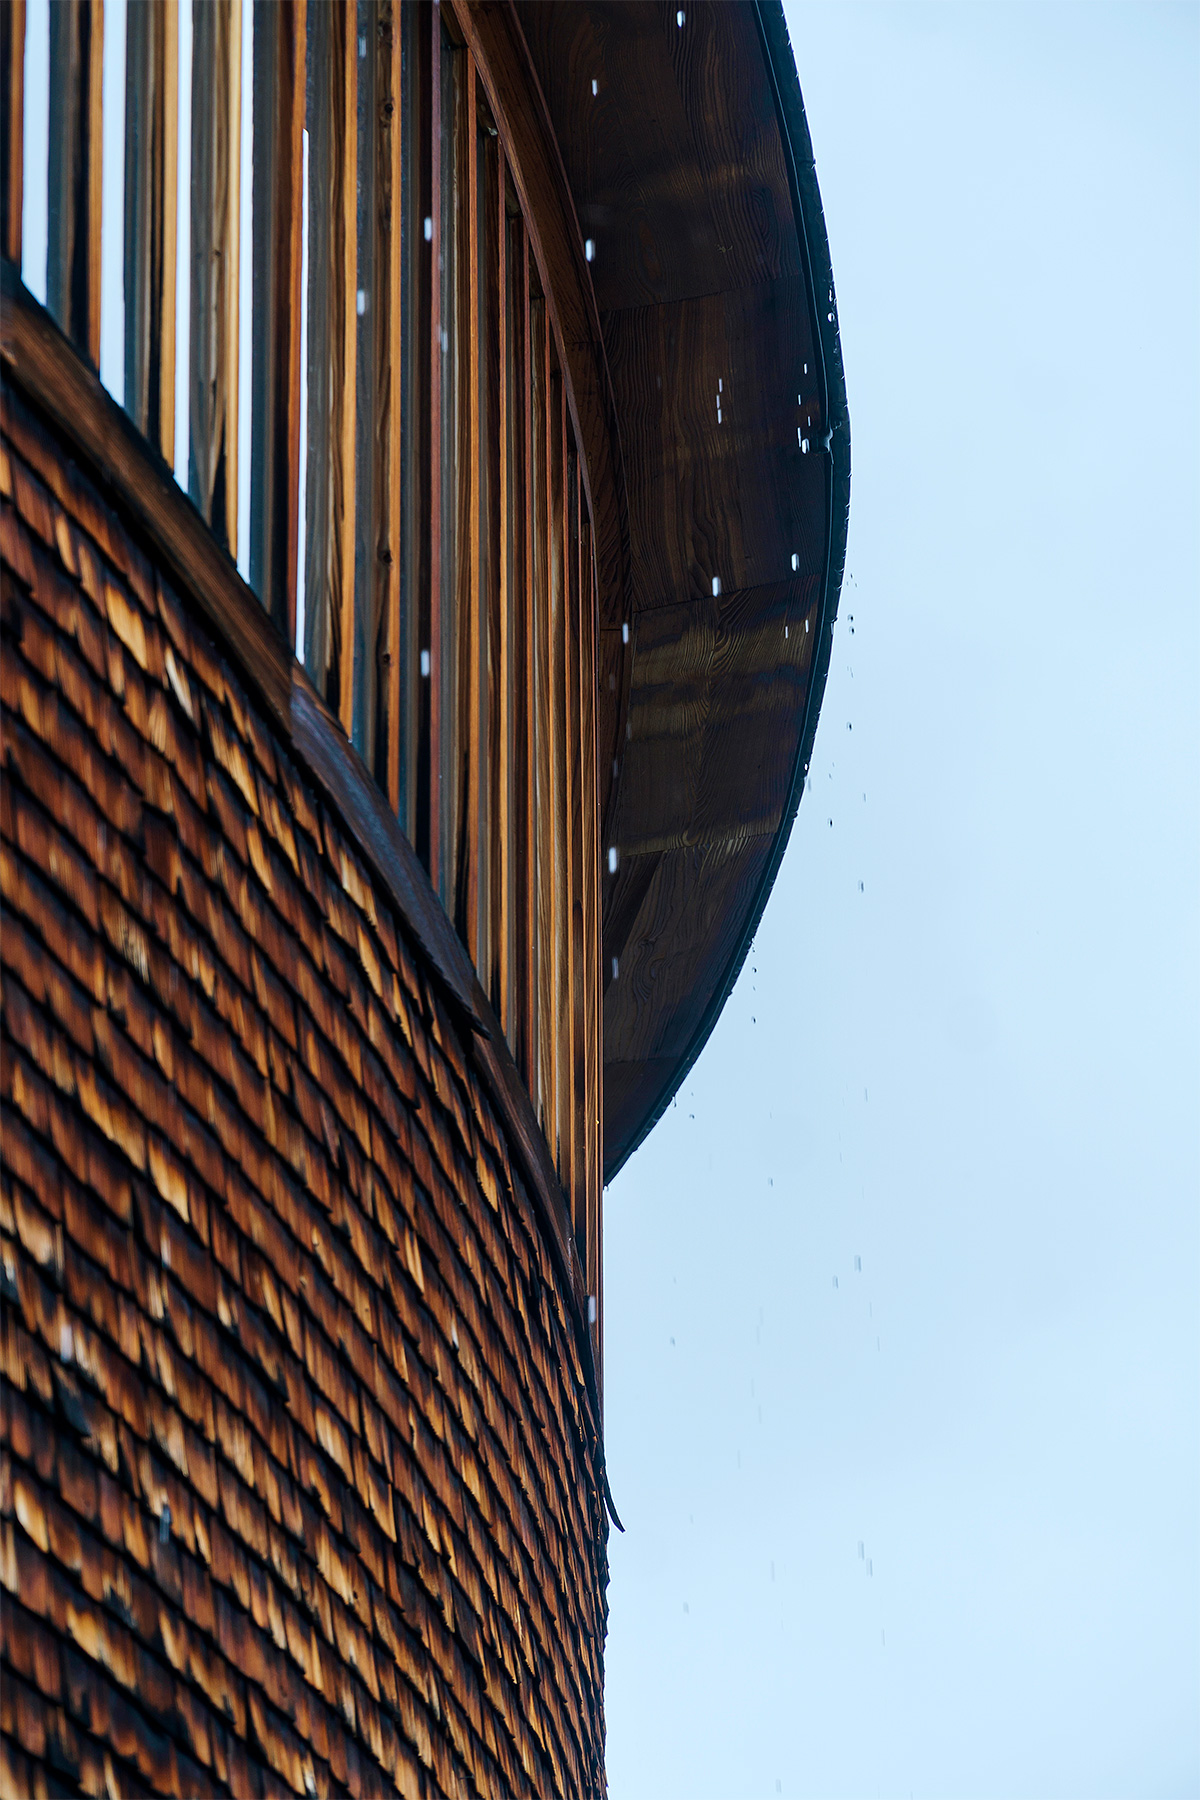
506,819
433,650
75,170
332,355
216,240
527,715
471,643
12,135
279,80
390,226
151,199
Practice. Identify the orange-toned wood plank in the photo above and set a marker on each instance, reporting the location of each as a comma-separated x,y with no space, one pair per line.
559,724
505,825
543,725
579,1188
593,1054
389,351
431,654
75,170
151,190
471,617
332,358
12,135
491,908
216,238
279,83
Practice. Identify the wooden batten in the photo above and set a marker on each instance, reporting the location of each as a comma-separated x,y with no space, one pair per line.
431,649
215,241
506,819
332,358
75,171
12,132
151,190
542,796
389,227
471,552
279,82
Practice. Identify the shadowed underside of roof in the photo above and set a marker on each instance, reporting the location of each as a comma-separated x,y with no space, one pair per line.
687,154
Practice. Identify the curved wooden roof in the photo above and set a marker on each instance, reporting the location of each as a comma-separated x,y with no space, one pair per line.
687,154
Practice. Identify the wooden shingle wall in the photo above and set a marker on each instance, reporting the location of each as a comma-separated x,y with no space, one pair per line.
297,1490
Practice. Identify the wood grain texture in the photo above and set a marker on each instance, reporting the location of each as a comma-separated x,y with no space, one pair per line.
215,244
332,360
279,93
151,199
391,228
94,432
302,1488
12,135
75,171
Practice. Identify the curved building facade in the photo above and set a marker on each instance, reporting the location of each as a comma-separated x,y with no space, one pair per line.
406,688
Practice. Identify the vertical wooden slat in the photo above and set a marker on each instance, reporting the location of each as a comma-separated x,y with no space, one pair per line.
390,229
541,797
559,871
332,360
422,432
279,68
472,640
574,709
431,653
457,648
75,170
216,238
12,133
151,200
564,748
493,912
505,823
590,884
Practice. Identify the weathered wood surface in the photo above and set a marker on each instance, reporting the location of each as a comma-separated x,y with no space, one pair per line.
679,171
300,1483
216,242
332,363
279,102
75,171
151,199
12,140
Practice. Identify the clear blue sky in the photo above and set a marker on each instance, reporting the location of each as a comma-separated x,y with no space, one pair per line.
978,1074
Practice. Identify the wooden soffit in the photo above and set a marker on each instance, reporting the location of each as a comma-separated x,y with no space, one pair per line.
682,133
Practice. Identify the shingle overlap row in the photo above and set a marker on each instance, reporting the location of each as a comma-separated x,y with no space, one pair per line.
297,1491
